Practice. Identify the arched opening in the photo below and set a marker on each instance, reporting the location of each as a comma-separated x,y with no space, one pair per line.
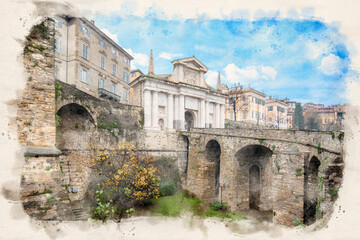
213,152
254,187
253,178
311,190
161,124
73,125
189,120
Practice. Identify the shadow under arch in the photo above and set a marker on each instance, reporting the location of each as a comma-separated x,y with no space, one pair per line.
253,178
311,190
74,126
212,155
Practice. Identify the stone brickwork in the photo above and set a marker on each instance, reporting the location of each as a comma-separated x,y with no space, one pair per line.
282,157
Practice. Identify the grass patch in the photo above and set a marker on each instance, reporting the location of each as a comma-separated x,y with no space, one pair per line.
173,206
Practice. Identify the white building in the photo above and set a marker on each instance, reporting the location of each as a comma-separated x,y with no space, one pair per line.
180,100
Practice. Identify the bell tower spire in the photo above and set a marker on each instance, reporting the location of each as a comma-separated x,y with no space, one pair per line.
151,63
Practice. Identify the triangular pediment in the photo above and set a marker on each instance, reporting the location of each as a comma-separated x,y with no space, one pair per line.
191,62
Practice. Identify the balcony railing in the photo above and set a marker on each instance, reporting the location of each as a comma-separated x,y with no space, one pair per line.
103,93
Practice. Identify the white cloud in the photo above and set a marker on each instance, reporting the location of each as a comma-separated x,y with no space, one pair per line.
257,76
140,59
331,65
113,36
169,56
211,78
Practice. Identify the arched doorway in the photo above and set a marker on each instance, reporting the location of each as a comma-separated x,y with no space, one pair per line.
213,152
74,123
254,178
254,187
311,190
189,120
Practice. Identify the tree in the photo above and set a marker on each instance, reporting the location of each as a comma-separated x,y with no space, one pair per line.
128,176
299,117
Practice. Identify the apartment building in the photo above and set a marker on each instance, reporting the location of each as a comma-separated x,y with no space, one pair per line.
276,113
88,59
245,105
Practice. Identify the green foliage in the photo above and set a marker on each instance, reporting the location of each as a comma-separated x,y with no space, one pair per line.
104,208
319,149
51,200
168,188
218,206
58,90
340,136
47,168
320,183
273,147
298,172
298,222
47,191
129,211
261,141
115,124
57,120
299,117
278,168
227,125
332,135
333,192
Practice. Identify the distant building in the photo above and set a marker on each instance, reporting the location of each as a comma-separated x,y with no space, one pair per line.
290,112
319,117
134,74
90,60
276,113
180,100
245,105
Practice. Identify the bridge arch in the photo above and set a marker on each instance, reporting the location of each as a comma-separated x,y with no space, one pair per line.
212,156
311,189
74,126
253,178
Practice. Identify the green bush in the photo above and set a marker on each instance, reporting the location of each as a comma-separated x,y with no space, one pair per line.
104,208
168,188
333,192
217,206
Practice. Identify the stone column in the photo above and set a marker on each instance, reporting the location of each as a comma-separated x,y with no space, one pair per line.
207,114
170,112
222,116
176,112
155,109
147,108
181,112
217,114
202,112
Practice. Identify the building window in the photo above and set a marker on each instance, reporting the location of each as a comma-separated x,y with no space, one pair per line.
113,51
244,98
231,100
103,43
280,109
270,108
113,88
102,83
58,45
57,22
126,60
102,62
56,71
125,95
243,114
126,77
231,116
114,69
84,76
85,51
133,74
84,30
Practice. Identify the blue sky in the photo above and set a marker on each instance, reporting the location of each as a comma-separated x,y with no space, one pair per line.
303,60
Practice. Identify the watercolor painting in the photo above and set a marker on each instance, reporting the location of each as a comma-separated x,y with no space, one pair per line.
150,121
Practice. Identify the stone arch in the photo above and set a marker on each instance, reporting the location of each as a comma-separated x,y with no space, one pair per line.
67,103
190,120
74,126
311,190
253,178
161,124
212,155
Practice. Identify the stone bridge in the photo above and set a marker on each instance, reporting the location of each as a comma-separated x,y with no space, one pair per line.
294,174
